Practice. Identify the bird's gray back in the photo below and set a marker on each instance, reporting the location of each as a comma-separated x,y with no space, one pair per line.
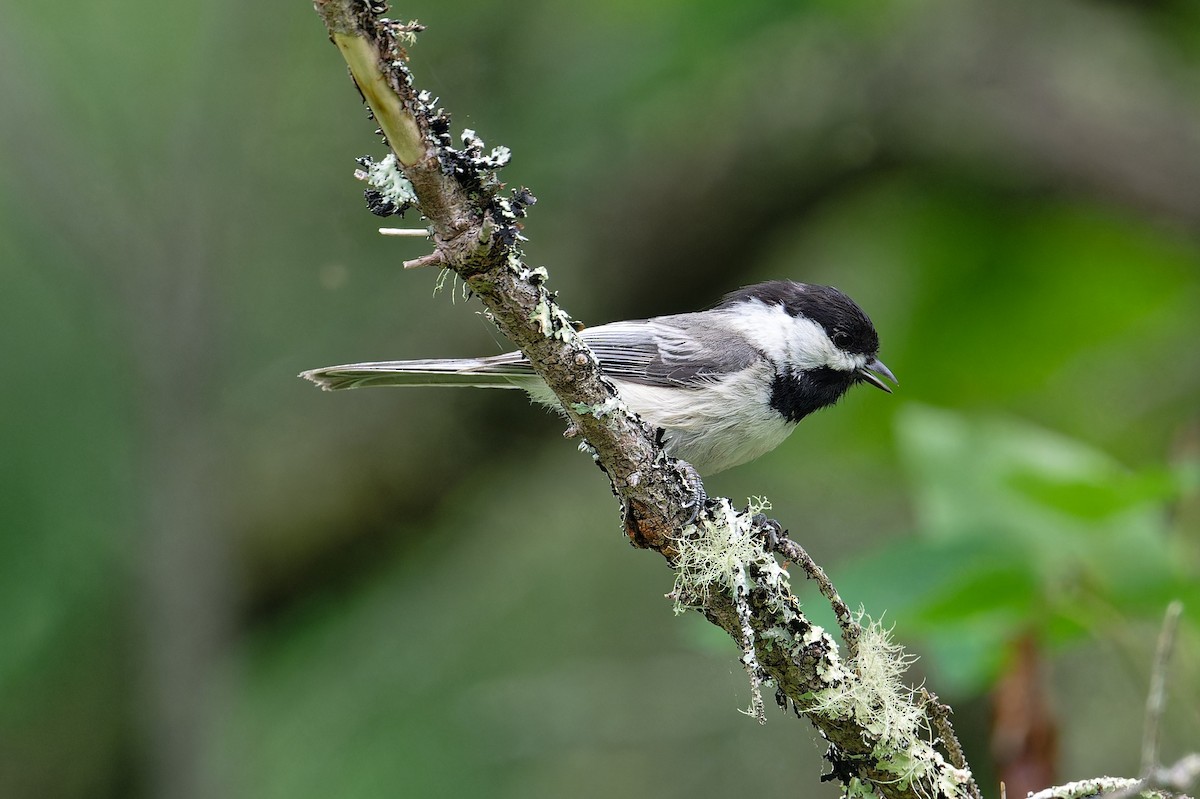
678,351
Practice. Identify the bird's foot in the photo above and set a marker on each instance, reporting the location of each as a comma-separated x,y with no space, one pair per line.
772,531
695,504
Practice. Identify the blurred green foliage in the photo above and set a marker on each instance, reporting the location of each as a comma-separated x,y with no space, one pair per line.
215,581
1018,531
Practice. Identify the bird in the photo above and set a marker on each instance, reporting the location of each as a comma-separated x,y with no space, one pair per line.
724,385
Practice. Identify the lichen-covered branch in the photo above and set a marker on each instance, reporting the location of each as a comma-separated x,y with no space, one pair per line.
476,231
880,743
1169,782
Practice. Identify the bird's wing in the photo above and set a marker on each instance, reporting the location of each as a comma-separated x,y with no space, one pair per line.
679,351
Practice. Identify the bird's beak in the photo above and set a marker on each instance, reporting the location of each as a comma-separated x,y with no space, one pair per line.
874,371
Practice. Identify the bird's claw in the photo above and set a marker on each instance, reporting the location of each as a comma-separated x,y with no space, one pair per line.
772,530
699,499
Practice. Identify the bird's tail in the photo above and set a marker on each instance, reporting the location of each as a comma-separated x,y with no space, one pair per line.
502,371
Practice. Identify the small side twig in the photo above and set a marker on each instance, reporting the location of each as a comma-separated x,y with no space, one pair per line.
1097,786
404,232
939,717
434,258
851,630
1169,782
1158,681
1156,779
1182,775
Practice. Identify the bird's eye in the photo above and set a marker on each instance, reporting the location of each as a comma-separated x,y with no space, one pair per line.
841,338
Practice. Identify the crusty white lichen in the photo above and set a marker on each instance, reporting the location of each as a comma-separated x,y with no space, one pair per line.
537,275
1098,786
497,158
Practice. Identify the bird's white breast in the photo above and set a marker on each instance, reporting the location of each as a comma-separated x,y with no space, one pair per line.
717,426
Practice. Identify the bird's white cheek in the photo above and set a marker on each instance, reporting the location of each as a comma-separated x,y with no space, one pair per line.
797,341
809,347
778,334
845,362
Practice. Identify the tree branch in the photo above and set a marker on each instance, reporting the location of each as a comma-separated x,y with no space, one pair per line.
477,230
879,736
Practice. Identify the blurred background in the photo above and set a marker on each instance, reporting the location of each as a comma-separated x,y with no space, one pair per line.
216,581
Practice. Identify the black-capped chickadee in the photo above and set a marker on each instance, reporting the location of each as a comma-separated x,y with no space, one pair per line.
726,385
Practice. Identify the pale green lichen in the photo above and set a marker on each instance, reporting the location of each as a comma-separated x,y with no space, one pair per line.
552,320
953,780
872,693
609,406
388,179
922,769
717,550
542,317
405,33
721,551
460,289
441,279
857,789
